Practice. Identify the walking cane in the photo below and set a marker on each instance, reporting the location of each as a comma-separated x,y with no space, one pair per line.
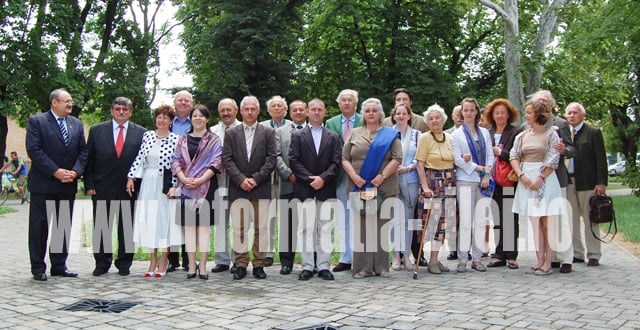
425,222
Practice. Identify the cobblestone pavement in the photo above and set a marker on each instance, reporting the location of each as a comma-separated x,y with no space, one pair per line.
604,297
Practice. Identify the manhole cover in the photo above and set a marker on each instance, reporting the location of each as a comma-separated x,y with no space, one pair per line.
320,327
102,306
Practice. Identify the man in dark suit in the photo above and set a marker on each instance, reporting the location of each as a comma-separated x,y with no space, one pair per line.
314,157
56,145
113,145
286,214
588,179
249,157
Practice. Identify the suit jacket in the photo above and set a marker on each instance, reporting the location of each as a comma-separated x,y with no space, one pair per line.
565,134
305,162
106,173
283,140
506,139
590,159
48,153
259,167
417,122
335,124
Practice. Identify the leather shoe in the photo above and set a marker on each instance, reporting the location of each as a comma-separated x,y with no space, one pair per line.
285,270
565,268
452,256
555,264
240,273
593,262
40,277
233,269
577,260
305,275
497,263
99,272
268,261
423,262
65,273
340,267
259,273
172,268
123,272
219,268
325,274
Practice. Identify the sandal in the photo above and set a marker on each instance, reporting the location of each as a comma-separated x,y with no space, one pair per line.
512,264
541,272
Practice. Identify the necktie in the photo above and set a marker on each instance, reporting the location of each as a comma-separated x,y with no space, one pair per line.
120,141
573,134
248,131
568,162
346,131
63,130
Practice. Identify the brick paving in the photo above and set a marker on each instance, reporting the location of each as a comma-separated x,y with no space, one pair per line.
604,297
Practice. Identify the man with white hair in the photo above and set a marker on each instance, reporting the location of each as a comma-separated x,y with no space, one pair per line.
588,179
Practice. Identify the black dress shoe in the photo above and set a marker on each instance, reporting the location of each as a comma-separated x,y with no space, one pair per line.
305,275
315,270
268,262
259,273
65,273
555,264
172,268
577,260
99,272
219,268
285,270
240,273
325,274
233,269
423,262
593,262
40,277
565,268
340,267
124,272
452,256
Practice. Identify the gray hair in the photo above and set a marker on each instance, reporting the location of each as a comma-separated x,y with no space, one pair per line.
55,94
576,104
121,100
249,98
233,102
378,105
543,94
435,108
278,98
348,91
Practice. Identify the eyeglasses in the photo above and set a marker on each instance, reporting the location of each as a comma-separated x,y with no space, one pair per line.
65,101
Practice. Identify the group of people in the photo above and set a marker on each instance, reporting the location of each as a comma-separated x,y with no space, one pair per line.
389,185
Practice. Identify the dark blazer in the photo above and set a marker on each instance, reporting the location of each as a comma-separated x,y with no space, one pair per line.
565,134
506,139
590,159
45,147
239,167
304,162
106,173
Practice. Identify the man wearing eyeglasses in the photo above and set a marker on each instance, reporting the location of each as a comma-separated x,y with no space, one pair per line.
113,145
56,145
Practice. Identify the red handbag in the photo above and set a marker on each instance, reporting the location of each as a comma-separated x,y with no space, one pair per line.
504,174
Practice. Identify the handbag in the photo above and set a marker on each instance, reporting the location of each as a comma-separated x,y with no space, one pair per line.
167,179
504,176
601,211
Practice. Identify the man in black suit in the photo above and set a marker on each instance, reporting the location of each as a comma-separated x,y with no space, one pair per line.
113,145
56,145
314,158
249,157
589,177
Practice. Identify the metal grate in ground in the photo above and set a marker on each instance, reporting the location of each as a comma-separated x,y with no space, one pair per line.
101,306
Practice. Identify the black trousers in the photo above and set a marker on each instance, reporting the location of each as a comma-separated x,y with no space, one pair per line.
508,227
103,253
286,235
39,216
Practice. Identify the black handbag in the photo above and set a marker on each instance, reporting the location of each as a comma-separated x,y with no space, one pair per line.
601,211
167,179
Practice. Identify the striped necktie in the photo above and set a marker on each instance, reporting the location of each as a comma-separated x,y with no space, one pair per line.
63,130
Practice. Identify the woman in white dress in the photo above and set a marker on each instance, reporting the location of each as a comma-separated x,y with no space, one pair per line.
154,227
538,195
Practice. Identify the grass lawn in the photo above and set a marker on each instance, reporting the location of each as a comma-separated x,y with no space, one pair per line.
627,209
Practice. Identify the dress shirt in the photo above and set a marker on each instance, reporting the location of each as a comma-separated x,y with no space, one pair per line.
116,130
181,127
577,129
249,132
316,134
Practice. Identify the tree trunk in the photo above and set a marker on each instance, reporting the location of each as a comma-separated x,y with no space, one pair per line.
512,55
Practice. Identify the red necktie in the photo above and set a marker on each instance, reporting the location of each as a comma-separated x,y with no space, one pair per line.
120,141
346,131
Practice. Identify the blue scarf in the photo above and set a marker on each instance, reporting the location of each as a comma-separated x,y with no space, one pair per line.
376,154
488,191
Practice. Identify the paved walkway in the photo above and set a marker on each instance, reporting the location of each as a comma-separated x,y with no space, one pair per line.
605,297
